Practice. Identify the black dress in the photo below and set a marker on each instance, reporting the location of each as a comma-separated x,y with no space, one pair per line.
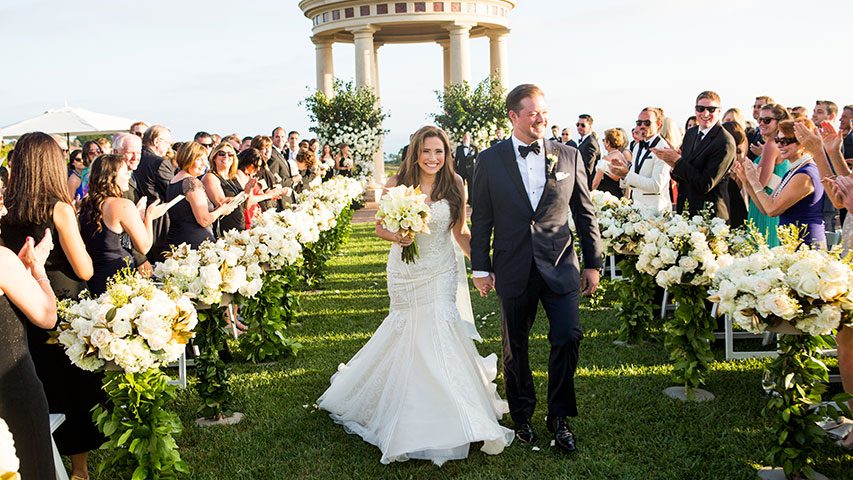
237,218
346,173
183,227
607,184
104,246
69,389
22,402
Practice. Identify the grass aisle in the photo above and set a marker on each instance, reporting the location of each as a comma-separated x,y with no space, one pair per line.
626,429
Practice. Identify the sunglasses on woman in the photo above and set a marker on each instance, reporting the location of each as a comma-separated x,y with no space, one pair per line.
223,153
766,120
785,141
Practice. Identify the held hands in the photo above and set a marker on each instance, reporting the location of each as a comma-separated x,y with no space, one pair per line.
484,284
668,155
589,281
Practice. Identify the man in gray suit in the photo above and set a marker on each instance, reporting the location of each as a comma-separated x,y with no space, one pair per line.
280,168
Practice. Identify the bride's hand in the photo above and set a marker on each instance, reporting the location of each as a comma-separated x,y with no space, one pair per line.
402,240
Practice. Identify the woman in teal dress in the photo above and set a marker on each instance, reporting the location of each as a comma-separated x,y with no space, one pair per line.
771,168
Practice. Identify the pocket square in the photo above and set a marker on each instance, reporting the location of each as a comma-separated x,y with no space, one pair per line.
561,175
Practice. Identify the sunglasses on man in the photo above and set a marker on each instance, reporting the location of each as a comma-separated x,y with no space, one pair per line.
709,108
580,125
641,123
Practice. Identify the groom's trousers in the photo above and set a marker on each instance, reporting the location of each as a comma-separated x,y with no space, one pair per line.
564,335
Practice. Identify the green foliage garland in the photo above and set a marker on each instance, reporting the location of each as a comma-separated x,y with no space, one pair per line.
267,315
798,378
211,370
636,291
140,431
479,112
689,333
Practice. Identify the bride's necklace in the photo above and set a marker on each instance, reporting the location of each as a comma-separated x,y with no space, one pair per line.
788,176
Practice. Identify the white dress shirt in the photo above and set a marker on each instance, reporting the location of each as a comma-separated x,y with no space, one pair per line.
532,170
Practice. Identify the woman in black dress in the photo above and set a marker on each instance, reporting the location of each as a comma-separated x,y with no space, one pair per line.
105,215
34,207
221,183
344,163
191,219
307,163
25,297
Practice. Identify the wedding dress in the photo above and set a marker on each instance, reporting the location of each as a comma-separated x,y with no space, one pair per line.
419,388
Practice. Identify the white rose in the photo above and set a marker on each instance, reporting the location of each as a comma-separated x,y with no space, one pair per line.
668,255
688,264
122,328
100,337
727,290
210,277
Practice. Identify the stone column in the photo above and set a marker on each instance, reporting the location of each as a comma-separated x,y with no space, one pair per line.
325,65
376,69
460,53
364,60
498,58
445,47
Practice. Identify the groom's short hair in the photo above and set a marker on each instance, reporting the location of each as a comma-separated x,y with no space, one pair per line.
519,93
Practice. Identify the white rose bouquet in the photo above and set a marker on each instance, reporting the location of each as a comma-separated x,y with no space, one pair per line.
811,289
403,209
133,324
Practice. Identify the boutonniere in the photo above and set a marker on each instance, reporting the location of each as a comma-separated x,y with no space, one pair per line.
551,161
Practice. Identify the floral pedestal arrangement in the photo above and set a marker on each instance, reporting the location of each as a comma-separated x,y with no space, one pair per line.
803,291
131,330
212,372
636,292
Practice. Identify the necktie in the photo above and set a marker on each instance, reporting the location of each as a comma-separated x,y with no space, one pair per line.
524,150
699,137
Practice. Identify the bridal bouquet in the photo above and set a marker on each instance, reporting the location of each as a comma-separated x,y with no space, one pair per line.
403,209
133,324
811,289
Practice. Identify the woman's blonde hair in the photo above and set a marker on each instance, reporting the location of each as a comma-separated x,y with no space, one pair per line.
188,153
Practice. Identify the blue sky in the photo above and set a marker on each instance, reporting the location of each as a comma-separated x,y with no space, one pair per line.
243,67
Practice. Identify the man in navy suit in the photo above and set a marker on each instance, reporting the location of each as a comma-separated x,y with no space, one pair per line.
588,146
707,153
523,189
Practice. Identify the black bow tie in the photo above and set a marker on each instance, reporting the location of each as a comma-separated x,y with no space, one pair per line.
644,144
524,149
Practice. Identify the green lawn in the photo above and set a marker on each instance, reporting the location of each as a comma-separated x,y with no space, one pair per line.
626,429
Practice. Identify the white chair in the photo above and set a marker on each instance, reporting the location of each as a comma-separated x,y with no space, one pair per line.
611,265
56,419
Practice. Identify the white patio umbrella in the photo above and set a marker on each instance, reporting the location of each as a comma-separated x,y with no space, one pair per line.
68,121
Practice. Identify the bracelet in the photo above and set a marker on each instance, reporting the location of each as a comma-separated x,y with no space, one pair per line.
43,279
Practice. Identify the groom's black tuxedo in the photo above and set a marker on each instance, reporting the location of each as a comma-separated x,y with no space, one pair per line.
534,260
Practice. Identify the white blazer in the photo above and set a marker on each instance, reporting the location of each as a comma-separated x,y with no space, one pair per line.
649,186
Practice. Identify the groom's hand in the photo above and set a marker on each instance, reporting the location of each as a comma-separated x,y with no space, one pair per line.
484,284
589,281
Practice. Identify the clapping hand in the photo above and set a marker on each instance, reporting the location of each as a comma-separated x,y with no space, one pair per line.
618,166
830,137
155,210
843,187
485,284
142,205
755,148
807,138
668,155
250,185
33,256
748,174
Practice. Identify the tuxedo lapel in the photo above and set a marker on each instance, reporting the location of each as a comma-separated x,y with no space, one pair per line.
511,165
549,180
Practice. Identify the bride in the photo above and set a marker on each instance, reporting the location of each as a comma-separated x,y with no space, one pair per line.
419,388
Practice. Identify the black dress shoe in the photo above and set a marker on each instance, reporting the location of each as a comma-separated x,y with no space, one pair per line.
524,432
564,439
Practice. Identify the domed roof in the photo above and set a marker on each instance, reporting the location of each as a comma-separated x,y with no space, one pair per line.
405,22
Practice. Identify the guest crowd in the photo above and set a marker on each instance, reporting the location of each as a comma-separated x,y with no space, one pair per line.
73,220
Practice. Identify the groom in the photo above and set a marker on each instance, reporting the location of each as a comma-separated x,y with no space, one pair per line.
523,189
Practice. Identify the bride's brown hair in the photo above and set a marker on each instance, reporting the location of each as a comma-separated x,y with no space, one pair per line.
445,186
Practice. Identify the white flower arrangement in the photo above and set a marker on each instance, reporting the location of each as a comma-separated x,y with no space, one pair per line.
9,463
364,142
809,288
684,251
133,324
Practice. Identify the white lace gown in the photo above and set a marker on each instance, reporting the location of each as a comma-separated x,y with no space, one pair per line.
419,388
